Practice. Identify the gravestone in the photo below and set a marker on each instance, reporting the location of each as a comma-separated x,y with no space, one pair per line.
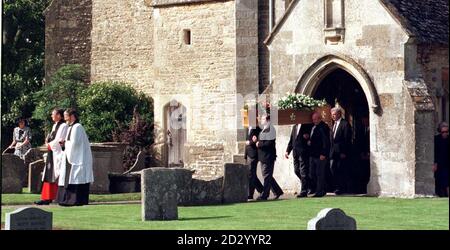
13,173
235,183
332,219
35,176
183,180
32,155
207,192
159,194
29,218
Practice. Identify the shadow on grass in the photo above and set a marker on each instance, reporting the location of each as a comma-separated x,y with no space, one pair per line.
204,218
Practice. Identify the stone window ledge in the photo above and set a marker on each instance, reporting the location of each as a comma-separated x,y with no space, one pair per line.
334,35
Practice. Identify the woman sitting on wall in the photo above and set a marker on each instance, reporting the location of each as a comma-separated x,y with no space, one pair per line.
21,138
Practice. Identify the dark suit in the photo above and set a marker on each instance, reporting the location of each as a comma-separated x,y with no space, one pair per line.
267,154
298,144
319,145
251,156
340,144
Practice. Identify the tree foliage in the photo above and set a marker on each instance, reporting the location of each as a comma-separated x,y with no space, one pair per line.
63,92
23,48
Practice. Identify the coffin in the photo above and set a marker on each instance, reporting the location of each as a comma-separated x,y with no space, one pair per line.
291,116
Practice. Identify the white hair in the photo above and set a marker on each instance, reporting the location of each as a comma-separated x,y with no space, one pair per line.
442,125
337,109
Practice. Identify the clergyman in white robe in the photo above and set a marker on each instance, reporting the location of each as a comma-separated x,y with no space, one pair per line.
76,173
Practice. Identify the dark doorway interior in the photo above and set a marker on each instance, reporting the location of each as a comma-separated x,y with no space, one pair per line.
342,88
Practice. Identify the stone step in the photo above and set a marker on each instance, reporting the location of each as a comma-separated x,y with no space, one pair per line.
239,158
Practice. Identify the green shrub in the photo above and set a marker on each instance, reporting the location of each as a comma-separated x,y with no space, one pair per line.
62,92
107,107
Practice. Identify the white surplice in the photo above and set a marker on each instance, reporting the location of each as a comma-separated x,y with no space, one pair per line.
78,154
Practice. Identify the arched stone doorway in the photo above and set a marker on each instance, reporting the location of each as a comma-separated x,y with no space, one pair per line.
175,134
343,82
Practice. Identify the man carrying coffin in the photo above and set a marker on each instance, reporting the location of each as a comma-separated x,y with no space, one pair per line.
251,157
77,174
55,158
298,145
267,154
341,140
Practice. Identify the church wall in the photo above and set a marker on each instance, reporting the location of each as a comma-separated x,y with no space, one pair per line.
431,60
67,35
202,76
122,43
375,41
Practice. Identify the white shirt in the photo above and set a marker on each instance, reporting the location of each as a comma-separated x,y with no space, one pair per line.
312,131
336,126
298,129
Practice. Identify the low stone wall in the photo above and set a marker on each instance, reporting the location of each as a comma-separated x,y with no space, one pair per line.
232,187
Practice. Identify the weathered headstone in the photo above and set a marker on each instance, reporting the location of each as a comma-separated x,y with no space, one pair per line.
332,219
207,192
29,218
32,155
35,176
183,180
13,173
235,183
159,194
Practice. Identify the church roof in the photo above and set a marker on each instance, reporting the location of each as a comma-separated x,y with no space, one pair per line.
426,20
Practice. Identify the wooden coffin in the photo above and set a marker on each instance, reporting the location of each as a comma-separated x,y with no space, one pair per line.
291,116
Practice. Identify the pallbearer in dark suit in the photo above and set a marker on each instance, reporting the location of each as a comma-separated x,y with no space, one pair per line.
441,160
267,154
319,146
341,139
298,145
251,157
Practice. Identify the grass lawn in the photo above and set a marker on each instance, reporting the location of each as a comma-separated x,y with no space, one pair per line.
28,199
370,213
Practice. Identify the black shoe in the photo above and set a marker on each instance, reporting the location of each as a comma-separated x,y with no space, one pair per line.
261,199
278,196
317,195
43,202
250,197
310,192
338,192
301,195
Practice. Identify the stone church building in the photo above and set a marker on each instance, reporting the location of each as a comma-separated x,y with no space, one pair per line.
385,62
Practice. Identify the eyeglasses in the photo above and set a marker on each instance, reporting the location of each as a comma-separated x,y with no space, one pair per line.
444,132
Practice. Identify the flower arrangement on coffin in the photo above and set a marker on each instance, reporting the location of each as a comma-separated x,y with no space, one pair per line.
297,108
